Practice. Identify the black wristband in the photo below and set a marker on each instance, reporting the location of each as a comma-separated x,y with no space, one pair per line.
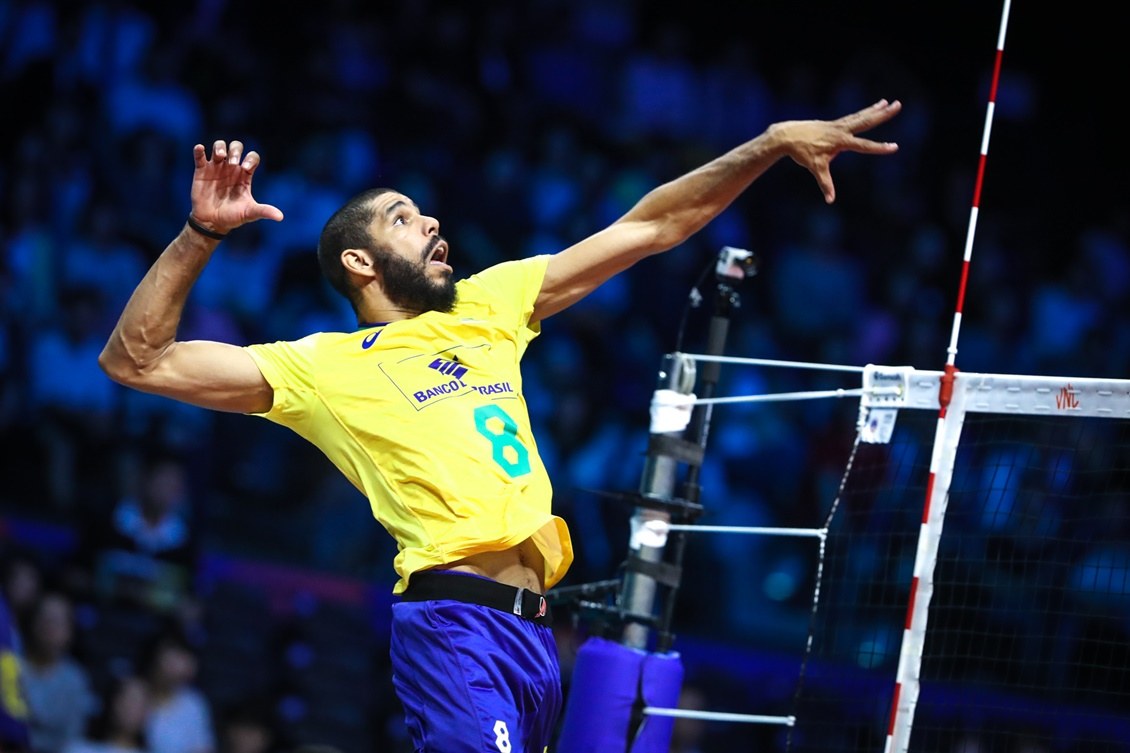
205,231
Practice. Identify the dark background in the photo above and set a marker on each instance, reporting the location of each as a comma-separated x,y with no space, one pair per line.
520,126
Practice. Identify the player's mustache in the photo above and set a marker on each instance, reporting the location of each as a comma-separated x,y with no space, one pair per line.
431,246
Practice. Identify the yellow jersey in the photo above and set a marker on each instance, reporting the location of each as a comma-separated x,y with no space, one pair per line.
426,417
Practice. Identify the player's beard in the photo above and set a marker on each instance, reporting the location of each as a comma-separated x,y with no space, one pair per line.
407,284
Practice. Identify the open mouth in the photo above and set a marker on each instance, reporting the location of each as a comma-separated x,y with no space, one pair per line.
438,252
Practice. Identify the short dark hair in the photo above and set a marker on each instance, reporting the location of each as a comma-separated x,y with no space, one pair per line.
101,726
169,635
348,227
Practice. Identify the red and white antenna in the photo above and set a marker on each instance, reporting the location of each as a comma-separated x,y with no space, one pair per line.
905,698
951,351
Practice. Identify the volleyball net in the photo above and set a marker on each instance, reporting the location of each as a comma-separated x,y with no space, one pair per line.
970,585
973,587
971,569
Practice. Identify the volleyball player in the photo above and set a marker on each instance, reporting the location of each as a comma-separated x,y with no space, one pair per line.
421,407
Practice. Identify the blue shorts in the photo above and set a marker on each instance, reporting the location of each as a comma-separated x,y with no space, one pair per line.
474,679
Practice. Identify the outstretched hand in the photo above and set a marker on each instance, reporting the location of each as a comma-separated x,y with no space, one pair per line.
221,188
813,144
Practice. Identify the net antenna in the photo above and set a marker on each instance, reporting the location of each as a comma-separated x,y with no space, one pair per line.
910,657
951,351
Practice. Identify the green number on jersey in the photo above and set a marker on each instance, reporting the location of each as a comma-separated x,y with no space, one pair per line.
510,454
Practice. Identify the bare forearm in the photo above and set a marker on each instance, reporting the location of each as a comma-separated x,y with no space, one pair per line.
148,325
683,206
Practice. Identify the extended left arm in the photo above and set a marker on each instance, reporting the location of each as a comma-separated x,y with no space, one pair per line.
669,214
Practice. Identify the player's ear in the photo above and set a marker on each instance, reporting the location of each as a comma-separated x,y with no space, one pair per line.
358,261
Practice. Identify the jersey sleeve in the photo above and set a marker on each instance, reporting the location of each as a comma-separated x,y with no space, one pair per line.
289,368
512,289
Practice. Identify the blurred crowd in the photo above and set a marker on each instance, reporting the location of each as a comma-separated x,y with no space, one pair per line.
522,127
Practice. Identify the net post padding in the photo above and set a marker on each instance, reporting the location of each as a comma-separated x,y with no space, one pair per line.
611,685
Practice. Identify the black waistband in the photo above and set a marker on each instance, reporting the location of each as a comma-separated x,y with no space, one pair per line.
431,585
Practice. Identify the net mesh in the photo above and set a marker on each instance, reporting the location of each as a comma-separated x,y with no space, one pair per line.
1027,646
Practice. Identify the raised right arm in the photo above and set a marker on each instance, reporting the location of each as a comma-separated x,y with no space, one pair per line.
142,351
669,214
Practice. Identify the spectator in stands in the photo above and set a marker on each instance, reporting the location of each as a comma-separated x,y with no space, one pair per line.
23,582
144,549
101,257
119,726
74,403
58,686
13,705
180,715
247,728
156,520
